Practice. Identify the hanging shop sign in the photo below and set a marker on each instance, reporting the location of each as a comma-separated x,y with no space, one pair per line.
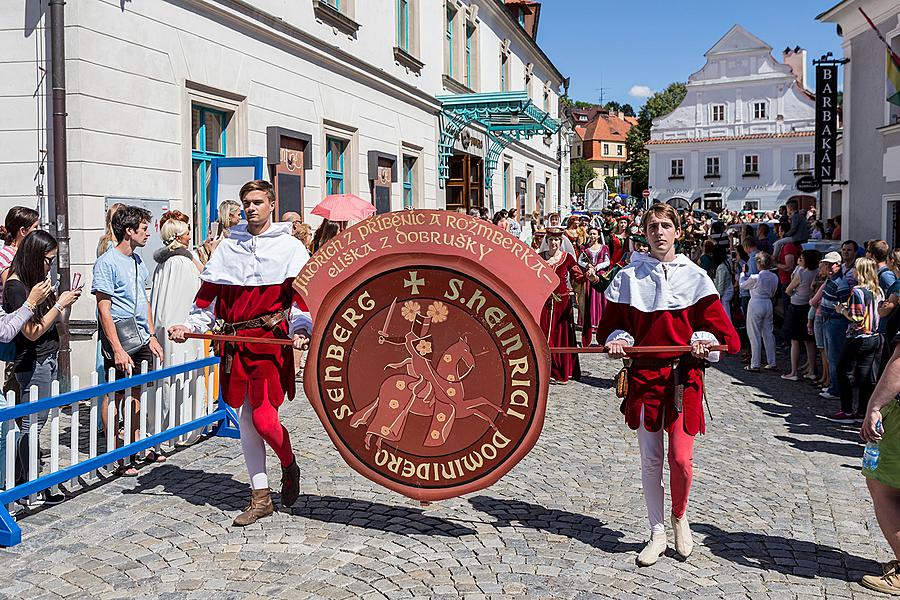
825,168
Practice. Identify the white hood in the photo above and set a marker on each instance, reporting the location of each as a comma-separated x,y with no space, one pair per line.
254,260
650,285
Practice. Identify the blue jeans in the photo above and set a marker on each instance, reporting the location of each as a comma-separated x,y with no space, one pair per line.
45,371
835,330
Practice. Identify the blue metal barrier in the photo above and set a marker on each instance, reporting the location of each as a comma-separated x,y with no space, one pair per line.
223,422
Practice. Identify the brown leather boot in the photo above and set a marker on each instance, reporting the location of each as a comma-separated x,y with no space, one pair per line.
260,506
290,484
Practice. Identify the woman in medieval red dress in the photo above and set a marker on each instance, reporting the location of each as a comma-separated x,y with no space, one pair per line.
618,244
593,260
558,315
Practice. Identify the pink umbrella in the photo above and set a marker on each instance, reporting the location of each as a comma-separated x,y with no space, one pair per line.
344,207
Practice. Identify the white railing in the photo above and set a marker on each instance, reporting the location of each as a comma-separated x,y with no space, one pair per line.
187,390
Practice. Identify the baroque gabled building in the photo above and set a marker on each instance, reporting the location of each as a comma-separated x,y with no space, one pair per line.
743,134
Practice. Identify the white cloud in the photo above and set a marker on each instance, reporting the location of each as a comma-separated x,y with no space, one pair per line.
640,91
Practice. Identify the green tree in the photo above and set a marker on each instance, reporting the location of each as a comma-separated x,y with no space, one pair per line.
611,184
628,110
638,164
580,174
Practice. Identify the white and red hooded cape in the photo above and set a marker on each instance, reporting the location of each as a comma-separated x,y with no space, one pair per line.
651,303
250,276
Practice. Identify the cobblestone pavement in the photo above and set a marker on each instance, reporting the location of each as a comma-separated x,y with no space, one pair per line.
779,510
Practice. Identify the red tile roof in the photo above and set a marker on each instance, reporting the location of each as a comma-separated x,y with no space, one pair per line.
607,128
727,138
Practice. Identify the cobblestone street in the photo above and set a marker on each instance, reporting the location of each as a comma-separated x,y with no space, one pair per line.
779,510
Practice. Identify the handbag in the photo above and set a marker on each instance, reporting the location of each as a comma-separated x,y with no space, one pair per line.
127,330
7,351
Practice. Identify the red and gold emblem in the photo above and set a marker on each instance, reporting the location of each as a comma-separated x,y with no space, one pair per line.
429,373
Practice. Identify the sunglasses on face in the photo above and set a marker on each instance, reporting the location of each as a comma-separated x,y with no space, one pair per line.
49,260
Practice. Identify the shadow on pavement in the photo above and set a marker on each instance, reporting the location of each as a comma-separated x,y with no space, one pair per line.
802,409
783,555
225,493
585,529
374,515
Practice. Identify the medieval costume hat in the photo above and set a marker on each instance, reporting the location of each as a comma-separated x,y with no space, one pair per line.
565,243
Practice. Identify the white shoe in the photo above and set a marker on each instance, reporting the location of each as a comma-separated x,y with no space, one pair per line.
684,542
653,550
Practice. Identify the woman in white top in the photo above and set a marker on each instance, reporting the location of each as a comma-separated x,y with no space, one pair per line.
176,281
760,327
800,292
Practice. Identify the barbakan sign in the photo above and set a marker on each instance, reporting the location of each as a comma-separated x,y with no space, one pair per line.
826,123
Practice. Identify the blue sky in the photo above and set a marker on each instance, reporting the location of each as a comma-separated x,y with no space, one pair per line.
652,43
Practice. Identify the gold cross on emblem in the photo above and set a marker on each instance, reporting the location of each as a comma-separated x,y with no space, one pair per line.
414,282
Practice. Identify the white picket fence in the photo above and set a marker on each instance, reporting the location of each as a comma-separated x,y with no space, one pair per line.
187,388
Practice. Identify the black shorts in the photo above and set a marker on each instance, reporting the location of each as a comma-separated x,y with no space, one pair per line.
142,354
796,322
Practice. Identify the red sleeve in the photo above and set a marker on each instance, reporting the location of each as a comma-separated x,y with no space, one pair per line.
575,271
206,294
709,315
615,316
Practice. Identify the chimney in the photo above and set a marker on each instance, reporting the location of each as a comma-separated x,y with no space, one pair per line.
796,60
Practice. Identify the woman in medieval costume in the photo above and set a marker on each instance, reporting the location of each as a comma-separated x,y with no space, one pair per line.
618,243
594,259
558,316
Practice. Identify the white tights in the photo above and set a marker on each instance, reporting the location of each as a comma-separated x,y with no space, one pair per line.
254,448
652,450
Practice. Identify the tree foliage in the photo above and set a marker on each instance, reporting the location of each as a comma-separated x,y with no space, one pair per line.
580,174
612,184
637,166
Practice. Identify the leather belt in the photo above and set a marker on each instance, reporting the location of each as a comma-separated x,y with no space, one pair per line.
268,321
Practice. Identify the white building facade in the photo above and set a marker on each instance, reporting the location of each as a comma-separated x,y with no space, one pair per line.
330,96
743,134
869,148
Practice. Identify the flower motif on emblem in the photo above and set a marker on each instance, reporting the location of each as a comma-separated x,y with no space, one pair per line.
410,310
438,312
423,347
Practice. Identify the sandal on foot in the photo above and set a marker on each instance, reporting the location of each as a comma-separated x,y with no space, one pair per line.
126,471
153,456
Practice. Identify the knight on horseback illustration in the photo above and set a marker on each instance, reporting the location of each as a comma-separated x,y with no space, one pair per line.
427,387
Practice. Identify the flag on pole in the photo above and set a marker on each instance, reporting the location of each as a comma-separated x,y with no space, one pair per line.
893,79
893,65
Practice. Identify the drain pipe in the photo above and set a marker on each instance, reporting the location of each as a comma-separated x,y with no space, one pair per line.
60,171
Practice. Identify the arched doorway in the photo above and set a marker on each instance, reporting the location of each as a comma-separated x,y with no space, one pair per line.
678,204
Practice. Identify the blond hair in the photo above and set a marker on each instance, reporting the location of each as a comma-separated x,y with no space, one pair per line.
171,230
226,209
108,235
867,275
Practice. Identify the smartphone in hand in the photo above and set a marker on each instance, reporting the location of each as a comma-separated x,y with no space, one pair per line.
76,282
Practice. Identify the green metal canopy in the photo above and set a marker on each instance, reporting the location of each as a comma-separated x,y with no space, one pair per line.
506,116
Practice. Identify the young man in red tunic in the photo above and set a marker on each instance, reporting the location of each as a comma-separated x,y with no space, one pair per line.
246,290
664,299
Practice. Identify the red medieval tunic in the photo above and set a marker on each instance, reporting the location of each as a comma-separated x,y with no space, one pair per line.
618,248
557,318
246,278
650,303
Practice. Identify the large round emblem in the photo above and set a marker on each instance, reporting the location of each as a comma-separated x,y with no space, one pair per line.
430,381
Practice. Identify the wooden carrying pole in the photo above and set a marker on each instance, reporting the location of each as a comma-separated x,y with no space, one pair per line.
238,339
589,350
633,350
